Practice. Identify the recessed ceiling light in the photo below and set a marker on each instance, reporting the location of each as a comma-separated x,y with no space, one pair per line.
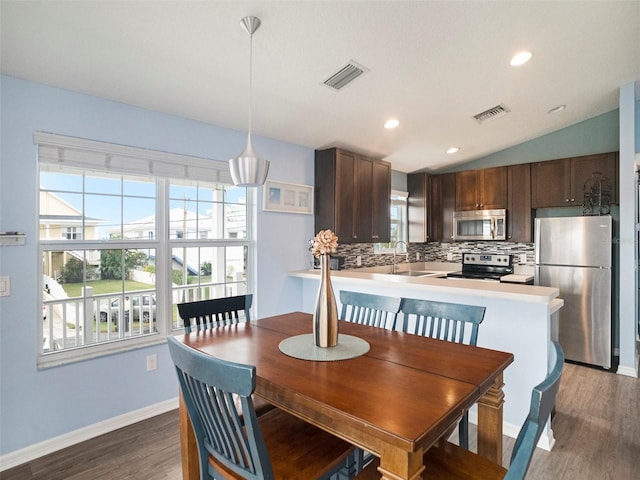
453,150
393,123
520,58
557,109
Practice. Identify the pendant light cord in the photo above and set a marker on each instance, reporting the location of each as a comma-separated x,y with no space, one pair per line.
250,81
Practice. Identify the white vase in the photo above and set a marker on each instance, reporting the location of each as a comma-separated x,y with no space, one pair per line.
325,317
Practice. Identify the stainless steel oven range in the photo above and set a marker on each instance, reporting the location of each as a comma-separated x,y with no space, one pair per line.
484,266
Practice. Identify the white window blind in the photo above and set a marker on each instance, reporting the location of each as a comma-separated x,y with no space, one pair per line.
106,157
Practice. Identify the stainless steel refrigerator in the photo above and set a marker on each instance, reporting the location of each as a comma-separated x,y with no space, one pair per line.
574,254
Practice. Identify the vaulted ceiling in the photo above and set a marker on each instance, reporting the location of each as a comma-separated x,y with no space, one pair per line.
432,65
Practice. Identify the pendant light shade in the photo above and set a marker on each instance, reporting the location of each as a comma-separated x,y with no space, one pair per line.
248,169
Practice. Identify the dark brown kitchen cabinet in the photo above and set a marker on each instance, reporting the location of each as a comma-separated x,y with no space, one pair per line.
519,218
560,183
419,205
381,202
352,196
443,204
484,189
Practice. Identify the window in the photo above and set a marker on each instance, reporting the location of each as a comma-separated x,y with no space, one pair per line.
121,248
399,226
71,233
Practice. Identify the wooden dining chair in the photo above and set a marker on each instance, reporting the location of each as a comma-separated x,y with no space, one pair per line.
241,445
452,322
367,309
446,461
217,312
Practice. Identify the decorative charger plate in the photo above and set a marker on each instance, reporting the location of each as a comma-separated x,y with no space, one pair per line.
302,347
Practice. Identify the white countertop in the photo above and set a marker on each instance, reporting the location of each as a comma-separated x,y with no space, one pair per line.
507,291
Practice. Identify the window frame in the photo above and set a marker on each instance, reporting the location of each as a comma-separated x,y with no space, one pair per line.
100,158
390,247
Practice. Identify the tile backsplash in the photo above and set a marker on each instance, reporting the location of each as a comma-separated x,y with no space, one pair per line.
431,252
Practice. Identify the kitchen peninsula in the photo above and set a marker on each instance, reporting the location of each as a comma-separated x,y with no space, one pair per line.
517,320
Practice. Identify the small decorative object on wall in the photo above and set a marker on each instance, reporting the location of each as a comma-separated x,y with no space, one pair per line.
325,316
596,195
287,197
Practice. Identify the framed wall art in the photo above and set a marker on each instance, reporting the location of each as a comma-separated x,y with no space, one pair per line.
287,197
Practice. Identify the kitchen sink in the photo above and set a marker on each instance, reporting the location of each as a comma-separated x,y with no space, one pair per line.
410,273
421,273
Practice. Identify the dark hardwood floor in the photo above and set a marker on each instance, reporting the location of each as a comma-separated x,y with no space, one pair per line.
597,430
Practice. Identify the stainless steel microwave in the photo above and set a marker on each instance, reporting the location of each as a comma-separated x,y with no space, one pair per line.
480,225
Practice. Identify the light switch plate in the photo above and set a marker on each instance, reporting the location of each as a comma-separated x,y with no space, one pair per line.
5,286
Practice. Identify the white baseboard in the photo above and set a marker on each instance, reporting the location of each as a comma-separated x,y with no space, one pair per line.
627,371
546,441
18,457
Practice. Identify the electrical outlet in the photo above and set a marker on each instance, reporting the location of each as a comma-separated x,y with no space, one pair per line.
152,362
523,258
359,260
449,256
5,286
418,256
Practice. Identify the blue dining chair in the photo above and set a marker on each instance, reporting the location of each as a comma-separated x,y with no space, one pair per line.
217,312
452,322
375,311
367,309
447,461
241,445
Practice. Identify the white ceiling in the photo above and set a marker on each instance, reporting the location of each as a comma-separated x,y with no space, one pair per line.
432,64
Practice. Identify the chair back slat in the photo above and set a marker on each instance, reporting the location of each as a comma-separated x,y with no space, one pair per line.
452,322
367,309
227,431
214,313
543,399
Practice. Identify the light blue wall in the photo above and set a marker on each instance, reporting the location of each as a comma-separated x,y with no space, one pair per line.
596,135
628,271
40,405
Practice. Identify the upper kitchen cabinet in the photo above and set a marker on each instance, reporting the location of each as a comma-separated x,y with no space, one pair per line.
352,196
431,203
443,204
484,189
560,183
419,207
519,203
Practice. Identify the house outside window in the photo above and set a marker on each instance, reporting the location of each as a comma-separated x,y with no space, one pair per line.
121,249
399,225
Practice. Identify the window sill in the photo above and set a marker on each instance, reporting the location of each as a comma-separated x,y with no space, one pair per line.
80,354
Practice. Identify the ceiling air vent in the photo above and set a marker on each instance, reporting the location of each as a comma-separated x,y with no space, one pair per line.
494,112
345,75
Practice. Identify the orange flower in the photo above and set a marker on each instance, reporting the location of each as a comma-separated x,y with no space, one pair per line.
325,242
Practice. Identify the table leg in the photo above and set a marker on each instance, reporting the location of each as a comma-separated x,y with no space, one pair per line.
398,464
188,445
490,422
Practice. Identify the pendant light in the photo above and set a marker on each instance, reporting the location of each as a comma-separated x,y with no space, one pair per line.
248,169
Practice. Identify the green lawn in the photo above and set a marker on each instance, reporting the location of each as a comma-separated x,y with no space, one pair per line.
105,286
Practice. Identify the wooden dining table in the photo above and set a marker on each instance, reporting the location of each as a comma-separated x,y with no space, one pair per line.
395,401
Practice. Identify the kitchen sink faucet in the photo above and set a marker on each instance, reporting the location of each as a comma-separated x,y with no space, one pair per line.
394,267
